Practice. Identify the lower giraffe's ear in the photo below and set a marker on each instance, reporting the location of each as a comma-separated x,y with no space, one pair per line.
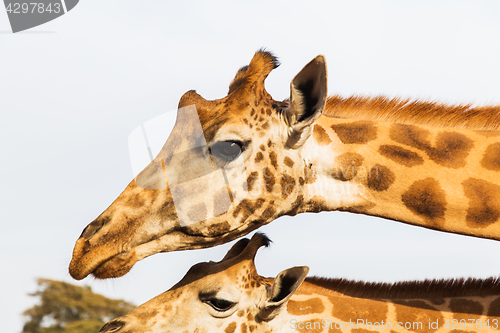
308,95
285,284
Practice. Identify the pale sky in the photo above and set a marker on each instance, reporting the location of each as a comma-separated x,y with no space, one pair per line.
72,91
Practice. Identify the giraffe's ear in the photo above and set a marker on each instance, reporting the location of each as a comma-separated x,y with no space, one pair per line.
285,284
308,94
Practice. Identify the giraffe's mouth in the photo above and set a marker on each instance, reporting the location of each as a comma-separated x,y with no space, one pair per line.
101,261
105,262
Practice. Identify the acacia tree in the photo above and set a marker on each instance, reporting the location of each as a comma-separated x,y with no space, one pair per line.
66,308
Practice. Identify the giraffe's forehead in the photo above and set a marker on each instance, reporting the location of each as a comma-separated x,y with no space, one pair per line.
217,273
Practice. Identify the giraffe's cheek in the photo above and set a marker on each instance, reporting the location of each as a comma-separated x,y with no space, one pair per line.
190,198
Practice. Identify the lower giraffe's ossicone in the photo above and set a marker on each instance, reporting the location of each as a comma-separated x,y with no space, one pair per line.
229,296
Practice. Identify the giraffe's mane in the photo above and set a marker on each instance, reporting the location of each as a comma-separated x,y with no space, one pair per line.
425,289
414,112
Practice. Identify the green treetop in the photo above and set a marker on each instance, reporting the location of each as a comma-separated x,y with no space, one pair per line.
66,308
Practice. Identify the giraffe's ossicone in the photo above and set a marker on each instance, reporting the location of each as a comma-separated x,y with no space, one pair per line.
234,164
230,296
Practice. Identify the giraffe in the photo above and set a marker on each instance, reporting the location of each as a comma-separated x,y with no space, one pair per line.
230,296
421,163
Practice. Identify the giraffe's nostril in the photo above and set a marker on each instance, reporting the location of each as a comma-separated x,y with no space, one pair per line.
93,228
112,326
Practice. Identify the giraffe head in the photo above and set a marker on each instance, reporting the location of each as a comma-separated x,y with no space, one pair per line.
218,297
229,166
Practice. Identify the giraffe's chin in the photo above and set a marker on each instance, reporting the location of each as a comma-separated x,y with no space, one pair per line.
116,266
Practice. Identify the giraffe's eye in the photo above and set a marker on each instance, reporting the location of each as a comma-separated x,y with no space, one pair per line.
219,304
227,150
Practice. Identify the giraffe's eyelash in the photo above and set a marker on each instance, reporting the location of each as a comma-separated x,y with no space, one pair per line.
219,304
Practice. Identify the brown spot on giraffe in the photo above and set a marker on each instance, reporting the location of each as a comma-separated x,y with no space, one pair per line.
262,147
243,328
401,155
320,135
297,205
484,202
491,158
268,212
316,204
427,199
310,306
218,229
259,157
252,177
269,143
288,162
465,309
269,179
274,160
266,126
356,132
245,206
346,166
380,178
230,328
259,202
451,148
287,185
494,308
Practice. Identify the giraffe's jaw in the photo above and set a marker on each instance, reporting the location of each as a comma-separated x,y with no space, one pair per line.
104,262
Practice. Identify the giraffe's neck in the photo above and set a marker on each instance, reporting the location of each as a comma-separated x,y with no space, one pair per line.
317,309
440,178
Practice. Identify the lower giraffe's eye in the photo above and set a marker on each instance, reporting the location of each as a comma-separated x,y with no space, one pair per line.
219,304
227,150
